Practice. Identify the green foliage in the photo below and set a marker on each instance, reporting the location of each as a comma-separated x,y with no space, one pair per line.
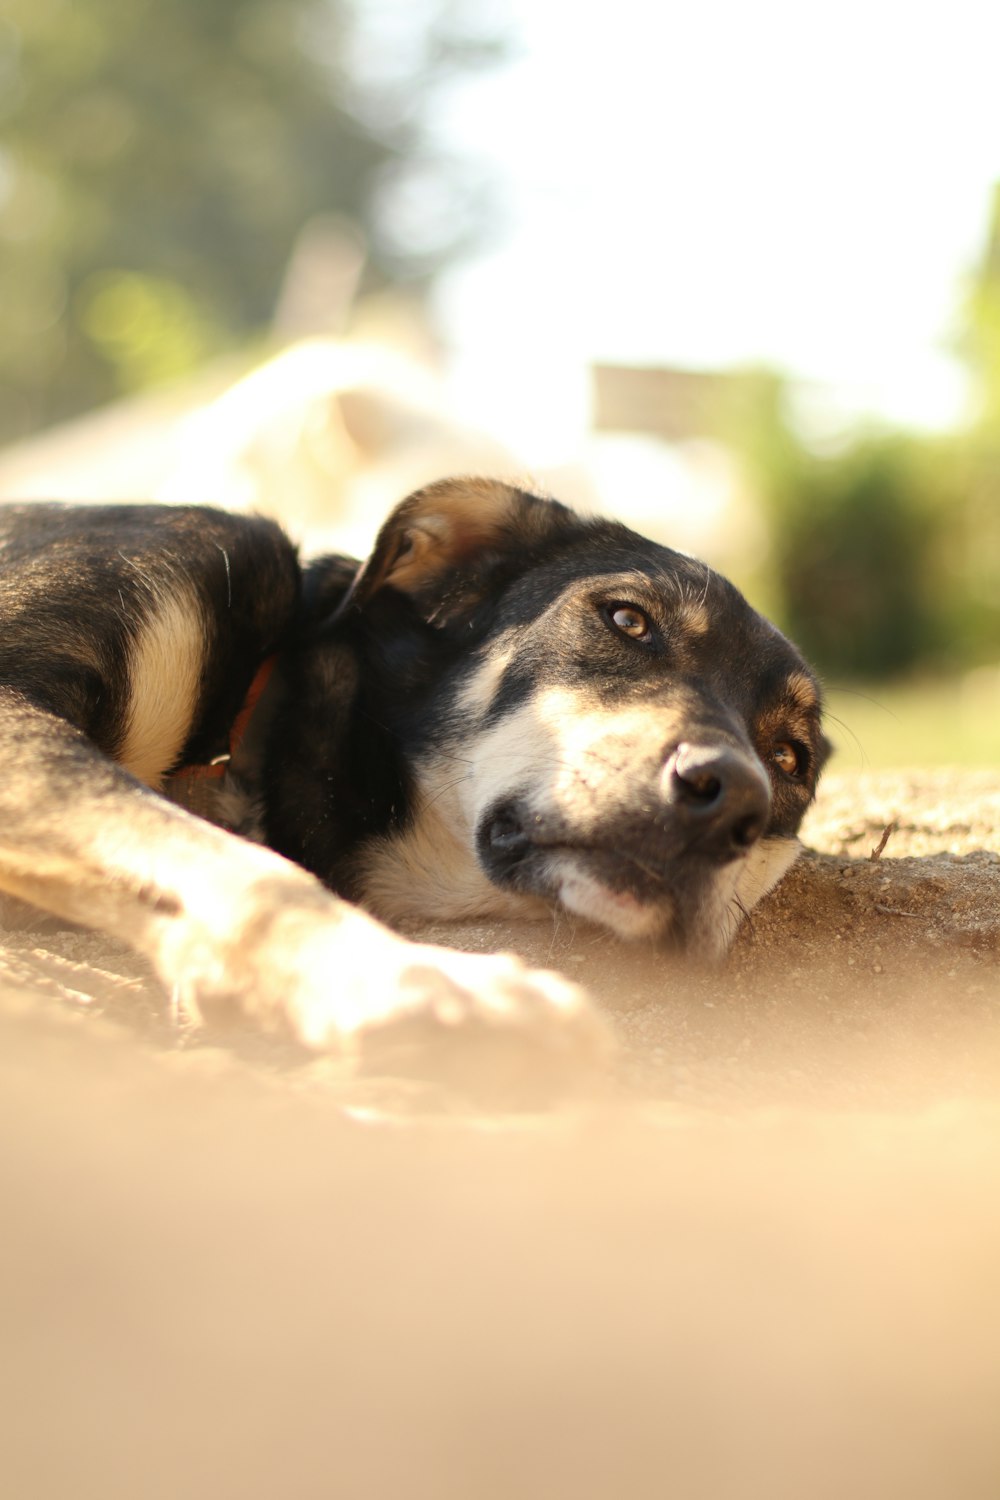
887,555
885,549
850,541
158,158
979,339
147,328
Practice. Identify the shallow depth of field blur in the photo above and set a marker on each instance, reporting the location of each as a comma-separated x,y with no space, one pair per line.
728,271
735,283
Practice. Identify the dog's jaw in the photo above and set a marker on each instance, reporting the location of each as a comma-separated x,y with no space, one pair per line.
585,896
429,871
700,917
736,891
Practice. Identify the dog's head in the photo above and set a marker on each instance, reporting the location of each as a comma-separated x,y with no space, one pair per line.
605,724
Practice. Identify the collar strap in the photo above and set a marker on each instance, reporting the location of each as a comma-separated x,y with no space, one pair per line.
220,764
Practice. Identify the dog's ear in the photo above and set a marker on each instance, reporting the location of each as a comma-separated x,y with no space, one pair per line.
442,543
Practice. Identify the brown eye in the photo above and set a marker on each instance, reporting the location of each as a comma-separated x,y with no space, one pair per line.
787,758
630,621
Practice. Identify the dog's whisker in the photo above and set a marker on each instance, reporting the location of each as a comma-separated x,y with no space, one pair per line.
444,790
745,918
833,719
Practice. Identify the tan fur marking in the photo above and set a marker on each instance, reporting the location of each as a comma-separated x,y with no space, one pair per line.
802,692
449,519
692,617
428,542
164,677
564,750
480,690
442,523
480,503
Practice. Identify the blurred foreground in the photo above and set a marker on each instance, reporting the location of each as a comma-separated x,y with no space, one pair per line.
762,1264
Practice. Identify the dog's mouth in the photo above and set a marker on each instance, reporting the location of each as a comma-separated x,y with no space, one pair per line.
636,891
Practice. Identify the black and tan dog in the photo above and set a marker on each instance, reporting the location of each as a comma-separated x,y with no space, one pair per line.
507,708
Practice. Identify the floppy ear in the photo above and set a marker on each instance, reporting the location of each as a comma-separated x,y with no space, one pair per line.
440,544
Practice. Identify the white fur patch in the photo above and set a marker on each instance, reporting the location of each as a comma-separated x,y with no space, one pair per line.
589,898
764,867
431,871
164,678
562,751
757,874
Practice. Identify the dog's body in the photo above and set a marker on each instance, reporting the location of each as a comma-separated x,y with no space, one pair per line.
506,708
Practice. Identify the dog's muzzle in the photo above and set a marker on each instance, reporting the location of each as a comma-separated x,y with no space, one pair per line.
708,807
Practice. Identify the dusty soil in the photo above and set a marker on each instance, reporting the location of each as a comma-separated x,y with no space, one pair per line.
760,1261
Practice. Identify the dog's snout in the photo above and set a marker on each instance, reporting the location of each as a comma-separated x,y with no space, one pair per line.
722,794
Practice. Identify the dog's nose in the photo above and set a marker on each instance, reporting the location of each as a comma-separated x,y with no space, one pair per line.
721,793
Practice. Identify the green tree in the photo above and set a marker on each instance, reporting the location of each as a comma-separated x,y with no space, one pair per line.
852,549
979,338
158,158
861,563
885,550
971,552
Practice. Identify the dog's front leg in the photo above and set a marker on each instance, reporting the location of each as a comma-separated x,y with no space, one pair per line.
230,925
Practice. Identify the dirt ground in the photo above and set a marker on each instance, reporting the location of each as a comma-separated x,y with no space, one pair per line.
762,1258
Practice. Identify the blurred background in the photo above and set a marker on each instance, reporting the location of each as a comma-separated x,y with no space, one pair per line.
729,271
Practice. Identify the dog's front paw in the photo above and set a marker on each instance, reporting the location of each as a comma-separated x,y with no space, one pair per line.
296,958
486,1026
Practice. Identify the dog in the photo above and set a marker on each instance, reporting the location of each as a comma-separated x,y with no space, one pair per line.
245,767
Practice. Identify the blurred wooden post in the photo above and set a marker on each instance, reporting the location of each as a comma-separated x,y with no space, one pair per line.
672,404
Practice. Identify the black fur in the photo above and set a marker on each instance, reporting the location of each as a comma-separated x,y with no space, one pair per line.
76,583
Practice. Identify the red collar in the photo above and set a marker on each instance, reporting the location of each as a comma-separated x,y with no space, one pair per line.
220,765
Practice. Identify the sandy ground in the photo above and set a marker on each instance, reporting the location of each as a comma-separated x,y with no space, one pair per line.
762,1259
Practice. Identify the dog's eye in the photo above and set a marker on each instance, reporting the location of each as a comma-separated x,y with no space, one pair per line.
789,758
630,621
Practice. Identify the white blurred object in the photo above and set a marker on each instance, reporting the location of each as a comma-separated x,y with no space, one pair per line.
329,433
326,436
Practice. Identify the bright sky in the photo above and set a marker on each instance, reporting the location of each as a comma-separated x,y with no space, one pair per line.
714,182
